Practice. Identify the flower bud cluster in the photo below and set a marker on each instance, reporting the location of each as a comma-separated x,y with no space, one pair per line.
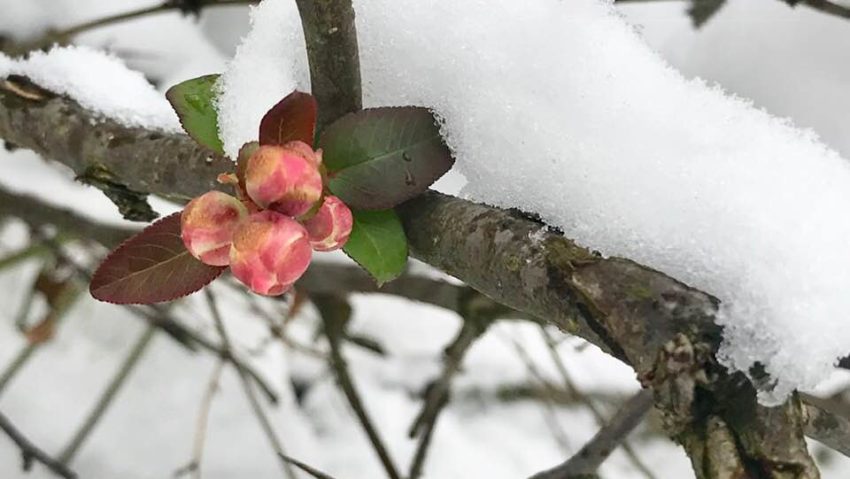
267,234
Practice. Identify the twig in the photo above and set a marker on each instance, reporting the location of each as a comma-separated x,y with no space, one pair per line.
266,426
194,465
597,413
304,467
587,460
66,34
108,395
548,398
31,453
823,6
335,312
437,395
159,317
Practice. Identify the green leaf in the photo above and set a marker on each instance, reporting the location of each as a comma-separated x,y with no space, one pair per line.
193,102
378,244
380,157
293,118
151,267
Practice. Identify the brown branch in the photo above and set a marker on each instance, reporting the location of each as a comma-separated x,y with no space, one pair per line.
31,453
335,313
256,407
65,35
108,395
331,38
585,462
437,392
823,6
664,329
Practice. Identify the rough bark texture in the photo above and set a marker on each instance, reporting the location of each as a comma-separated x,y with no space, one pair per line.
660,326
334,59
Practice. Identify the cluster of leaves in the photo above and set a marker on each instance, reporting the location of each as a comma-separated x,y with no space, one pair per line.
374,159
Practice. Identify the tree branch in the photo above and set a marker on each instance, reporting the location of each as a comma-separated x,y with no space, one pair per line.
65,35
30,452
661,327
335,313
585,462
331,37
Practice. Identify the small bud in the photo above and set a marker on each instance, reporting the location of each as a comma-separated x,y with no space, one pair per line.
270,252
330,228
207,225
283,179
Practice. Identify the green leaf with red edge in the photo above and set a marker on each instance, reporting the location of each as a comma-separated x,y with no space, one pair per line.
293,118
378,244
193,100
151,267
380,157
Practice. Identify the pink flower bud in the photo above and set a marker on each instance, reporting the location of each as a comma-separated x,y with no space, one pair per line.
270,252
207,225
283,179
330,227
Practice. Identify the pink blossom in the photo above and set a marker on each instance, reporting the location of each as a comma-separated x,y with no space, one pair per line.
207,225
330,227
284,178
270,252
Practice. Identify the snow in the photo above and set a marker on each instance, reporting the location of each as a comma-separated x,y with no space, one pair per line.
263,71
638,161
99,82
148,432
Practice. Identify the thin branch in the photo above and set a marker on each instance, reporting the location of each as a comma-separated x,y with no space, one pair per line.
823,6
593,454
65,35
108,395
31,453
304,467
437,395
597,413
265,425
335,312
194,466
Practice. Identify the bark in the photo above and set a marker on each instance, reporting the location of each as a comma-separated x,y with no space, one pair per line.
663,328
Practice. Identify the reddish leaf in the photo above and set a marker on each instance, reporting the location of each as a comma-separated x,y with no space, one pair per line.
293,118
151,267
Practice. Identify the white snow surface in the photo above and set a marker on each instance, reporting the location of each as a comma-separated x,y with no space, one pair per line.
100,82
560,108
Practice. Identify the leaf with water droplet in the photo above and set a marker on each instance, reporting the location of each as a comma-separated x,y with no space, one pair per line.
380,157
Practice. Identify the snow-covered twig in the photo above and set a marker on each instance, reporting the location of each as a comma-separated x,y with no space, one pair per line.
30,452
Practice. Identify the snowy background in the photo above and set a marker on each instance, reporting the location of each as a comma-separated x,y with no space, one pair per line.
792,63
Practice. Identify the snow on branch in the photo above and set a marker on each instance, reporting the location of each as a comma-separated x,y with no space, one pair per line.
99,82
560,109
